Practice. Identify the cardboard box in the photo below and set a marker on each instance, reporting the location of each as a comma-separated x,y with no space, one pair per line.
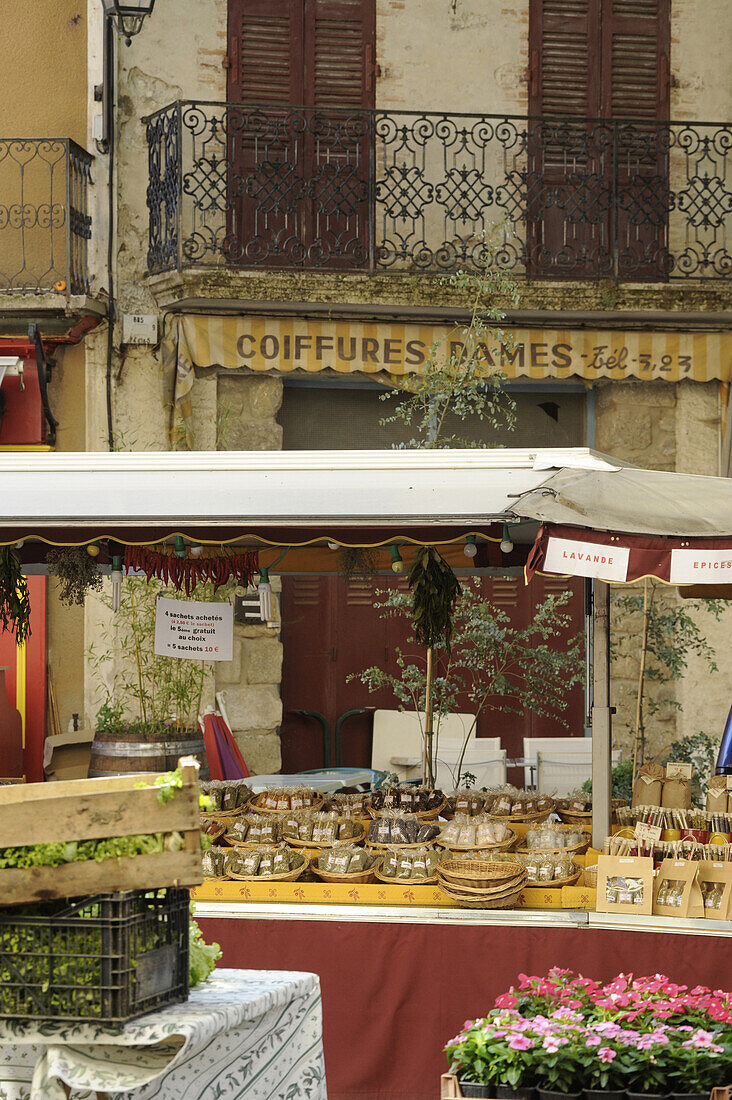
625,885
677,892
67,755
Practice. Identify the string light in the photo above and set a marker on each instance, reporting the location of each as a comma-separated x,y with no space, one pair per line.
397,562
506,541
470,549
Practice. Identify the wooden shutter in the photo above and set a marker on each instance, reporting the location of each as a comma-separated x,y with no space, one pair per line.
266,52
339,53
564,42
635,56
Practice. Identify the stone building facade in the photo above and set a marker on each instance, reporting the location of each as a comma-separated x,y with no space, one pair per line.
438,74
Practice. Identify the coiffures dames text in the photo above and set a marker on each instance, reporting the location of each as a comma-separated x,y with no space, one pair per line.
390,352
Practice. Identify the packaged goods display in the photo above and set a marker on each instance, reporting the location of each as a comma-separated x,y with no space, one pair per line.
408,799
542,868
623,889
518,805
278,800
391,827
553,837
266,863
412,864
624,884
479,831
349,805
465,802
345,859
688,848
215,862
678,892
320,828
226,795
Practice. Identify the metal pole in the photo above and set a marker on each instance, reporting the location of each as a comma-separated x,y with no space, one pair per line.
601,716
427,776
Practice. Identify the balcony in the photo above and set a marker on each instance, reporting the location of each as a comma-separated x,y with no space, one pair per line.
377,191
45,222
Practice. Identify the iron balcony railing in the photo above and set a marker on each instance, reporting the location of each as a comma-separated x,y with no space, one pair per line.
269,187
45,222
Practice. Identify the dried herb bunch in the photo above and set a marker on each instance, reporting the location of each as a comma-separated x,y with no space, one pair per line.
76,571
435,590
357,561
14,599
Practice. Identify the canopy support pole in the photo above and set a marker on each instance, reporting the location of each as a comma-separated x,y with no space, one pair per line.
601,716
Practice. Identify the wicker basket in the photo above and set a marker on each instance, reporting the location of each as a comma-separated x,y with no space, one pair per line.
283,876
554,882
526,819
479,872
350,876
385,847
502,845
217,833
256,807
485,902
394,881
589,877
573,850
294,842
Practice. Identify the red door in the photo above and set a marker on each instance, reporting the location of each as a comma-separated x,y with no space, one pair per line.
298,187
331,630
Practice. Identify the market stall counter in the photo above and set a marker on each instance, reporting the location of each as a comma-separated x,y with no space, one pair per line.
441,966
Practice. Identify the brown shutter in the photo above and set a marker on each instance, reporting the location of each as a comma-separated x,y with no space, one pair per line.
635,55
339,53
265,52
564,41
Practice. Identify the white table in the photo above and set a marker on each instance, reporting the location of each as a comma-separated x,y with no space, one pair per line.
243,1035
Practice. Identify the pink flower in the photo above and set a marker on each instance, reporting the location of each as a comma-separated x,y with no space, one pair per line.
700,1038
593,1041
550,1044
606,1054
520,1042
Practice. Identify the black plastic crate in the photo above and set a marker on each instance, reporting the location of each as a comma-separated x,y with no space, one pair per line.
106,958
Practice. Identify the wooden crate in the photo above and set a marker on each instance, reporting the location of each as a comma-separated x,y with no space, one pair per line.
91,809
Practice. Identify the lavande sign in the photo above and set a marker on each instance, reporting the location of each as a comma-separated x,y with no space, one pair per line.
194,631
586,559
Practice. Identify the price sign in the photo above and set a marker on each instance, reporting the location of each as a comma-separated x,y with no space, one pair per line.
647,834
194,631
676,769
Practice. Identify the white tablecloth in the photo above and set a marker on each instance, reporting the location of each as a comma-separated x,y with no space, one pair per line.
243,1034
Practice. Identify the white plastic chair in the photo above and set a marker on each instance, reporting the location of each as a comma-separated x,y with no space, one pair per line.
488,767
565,774
555,747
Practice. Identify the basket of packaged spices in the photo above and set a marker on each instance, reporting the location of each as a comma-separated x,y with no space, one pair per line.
465,833
425,803
392,828
553,837
227,797
346,863
509,804
281,800
280,864
415,865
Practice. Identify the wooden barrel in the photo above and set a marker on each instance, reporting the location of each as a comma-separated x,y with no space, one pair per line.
125,752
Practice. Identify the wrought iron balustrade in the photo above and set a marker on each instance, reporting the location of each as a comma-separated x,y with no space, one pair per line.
45,222
312,188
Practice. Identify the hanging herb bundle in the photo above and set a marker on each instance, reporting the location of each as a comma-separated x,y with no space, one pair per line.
76,570
14,600
357,561
435,590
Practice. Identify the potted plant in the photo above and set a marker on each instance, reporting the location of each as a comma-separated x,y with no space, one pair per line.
493,1057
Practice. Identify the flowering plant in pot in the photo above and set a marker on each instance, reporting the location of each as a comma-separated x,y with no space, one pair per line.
491,1057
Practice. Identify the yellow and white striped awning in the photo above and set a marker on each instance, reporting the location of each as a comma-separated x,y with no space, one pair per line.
393,351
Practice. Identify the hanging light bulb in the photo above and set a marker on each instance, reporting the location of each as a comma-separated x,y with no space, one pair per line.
397,562
196,549
506,541
116,582
20,544
264,588
332,545
92,549
470,549
180,546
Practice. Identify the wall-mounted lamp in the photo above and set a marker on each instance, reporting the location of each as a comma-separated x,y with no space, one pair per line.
506,541
471,548
128,17
397,562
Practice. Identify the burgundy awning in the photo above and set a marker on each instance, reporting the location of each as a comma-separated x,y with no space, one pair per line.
608,556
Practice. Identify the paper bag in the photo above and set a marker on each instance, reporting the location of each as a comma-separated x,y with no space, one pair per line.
625,884
677,892
715,881
676,794
717,794
648,785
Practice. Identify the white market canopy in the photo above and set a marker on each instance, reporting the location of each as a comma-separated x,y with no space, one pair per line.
574,486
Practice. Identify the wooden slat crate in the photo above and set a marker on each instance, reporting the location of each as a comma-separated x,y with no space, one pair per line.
91,809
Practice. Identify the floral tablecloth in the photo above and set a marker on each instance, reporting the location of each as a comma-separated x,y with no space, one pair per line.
243,1034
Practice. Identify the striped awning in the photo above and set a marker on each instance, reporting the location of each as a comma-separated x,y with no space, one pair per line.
393,351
